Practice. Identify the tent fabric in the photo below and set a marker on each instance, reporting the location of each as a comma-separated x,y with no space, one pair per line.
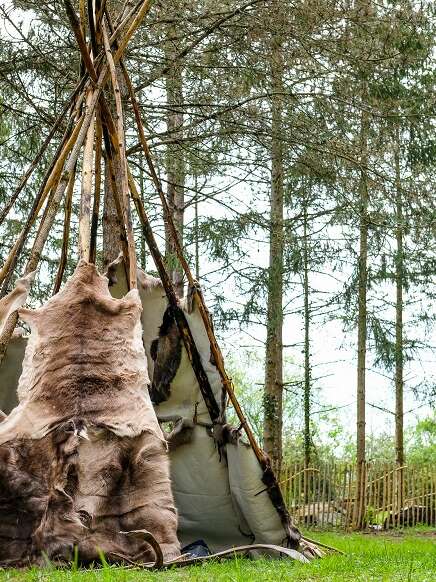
221,501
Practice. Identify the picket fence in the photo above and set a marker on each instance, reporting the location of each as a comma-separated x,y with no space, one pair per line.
323,495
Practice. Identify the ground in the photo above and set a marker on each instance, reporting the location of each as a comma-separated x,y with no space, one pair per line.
368,557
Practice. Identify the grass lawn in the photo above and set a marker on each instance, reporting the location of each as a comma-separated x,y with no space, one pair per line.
369,557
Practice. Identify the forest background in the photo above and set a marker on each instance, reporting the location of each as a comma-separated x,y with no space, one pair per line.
296,144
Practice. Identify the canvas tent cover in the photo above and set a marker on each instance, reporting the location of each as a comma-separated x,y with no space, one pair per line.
219,498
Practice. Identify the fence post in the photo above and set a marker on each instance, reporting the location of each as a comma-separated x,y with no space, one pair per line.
350,503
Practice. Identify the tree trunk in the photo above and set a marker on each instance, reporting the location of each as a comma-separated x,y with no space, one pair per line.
364,10
399,275
307,367
399,270
273,392
175,163
111,231
197,242
359,509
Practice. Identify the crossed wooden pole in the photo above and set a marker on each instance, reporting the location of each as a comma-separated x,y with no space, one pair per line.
90,124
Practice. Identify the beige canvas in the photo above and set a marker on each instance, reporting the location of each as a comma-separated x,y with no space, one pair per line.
220,499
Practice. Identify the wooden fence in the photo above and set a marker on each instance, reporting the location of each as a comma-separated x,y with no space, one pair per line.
324,495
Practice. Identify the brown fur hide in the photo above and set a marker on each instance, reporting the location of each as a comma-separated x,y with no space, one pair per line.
166,352
82,457
10,370
181,434
15,299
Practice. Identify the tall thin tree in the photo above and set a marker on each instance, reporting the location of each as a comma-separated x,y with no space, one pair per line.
307,362
399,283
273,394
175,162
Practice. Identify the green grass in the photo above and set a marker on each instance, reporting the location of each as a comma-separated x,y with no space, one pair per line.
369,557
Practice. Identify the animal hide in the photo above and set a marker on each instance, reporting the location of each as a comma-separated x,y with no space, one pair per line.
10,370
82,456
223,504
15,299
166,352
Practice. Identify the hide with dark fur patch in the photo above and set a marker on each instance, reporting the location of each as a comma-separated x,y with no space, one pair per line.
82,456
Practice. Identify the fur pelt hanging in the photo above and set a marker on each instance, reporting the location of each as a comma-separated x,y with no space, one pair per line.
15,299
82,456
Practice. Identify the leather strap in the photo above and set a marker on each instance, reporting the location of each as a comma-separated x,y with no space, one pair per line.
186,560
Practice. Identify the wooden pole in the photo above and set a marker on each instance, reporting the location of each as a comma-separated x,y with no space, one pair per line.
52,180
32,216
343,506
60,182
86,192
132,28
38,245
92,29
79,32
269,477
97,189
119,137
23,181
47,223
112,160
76,141
350,504
121,152
94,16
104,72
66,234
204,313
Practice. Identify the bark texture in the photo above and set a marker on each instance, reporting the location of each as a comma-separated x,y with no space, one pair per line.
399,331
307,366
175,162
111,229
359,509
399,284
82,457
273,395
